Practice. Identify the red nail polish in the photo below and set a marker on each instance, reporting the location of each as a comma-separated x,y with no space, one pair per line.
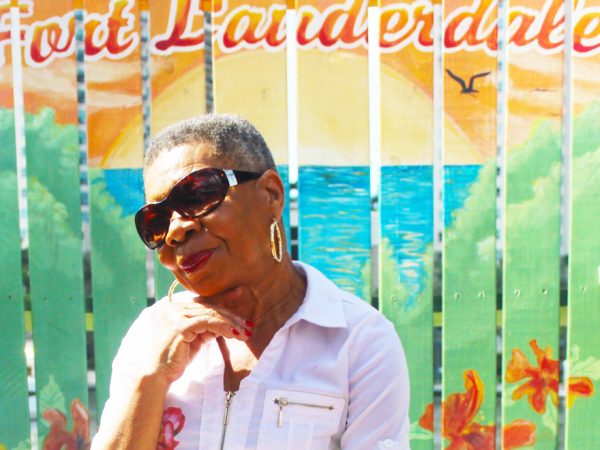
248,333
235,332
248,323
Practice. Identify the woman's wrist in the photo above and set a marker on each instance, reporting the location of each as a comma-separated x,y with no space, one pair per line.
154,383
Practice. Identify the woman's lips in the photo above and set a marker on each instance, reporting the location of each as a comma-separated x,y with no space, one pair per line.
194,262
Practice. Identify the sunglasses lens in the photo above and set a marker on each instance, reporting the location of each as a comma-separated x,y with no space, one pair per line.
193,196
152,224
199,193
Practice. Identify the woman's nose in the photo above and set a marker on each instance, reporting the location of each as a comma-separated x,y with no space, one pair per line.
181,228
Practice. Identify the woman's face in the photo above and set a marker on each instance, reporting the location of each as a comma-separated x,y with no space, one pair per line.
230,246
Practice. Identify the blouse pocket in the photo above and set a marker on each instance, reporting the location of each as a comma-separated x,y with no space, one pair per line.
294,420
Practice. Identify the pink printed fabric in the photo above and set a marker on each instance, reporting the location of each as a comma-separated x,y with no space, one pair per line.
172,423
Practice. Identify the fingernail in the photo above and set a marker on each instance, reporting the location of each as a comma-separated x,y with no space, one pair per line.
235,332
248,333
248,323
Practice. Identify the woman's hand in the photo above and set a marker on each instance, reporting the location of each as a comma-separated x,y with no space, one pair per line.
167,336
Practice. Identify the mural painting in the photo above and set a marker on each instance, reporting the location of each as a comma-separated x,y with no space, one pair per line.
334,198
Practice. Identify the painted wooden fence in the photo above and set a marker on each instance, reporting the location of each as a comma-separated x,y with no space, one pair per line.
405,130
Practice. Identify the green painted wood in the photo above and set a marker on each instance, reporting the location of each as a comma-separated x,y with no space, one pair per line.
55,235
583,363
469,287
118,270
55,262
531,282
14,407
531,265
469,241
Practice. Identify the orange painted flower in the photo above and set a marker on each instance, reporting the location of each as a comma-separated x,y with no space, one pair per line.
459,426
543,379
59,438
579,386
518,433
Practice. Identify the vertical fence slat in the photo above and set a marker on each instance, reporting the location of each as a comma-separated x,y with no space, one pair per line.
406,204
115,147
178,75
249,69
531,285
14,409
333,144
54,225
469,196
583,352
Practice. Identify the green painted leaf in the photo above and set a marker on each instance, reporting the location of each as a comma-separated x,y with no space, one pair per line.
419,433
589,367
23,445
575,355
52,397
507,400
550,417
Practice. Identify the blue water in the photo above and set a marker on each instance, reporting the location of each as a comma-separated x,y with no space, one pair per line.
127,188
407,222
406,206
457,180
334,222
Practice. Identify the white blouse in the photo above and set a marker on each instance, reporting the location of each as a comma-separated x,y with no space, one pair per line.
334,376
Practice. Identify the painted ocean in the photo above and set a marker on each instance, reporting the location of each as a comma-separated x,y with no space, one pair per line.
406,217
334,207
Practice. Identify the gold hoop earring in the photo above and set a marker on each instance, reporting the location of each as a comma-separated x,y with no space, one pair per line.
276,246
172,289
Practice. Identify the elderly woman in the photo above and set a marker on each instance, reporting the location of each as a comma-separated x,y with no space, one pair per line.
259,352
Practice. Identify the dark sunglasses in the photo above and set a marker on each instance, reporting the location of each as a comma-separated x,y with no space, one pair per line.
195,195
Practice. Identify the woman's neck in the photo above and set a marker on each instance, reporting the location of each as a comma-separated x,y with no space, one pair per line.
268,304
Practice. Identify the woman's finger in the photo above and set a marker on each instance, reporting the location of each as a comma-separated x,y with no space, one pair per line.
197,310
216,325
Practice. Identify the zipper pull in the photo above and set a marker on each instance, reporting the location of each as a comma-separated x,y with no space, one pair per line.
281,402
228,399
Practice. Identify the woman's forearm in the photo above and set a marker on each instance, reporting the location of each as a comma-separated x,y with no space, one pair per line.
133,421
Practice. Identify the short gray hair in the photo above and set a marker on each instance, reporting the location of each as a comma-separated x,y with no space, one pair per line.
229,136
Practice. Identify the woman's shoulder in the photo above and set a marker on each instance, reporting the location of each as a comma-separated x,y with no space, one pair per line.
356,311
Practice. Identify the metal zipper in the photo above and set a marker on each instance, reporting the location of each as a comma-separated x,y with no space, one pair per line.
282,402
228,398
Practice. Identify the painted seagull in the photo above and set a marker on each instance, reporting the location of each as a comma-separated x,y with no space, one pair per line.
463,85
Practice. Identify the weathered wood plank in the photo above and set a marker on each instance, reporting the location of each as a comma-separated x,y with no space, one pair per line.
14,408
333,143
249,42
531,290
177,78
582,373
406,205
469,244
55,231
115,146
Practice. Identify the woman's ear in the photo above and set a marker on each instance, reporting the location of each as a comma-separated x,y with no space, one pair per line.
271,186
